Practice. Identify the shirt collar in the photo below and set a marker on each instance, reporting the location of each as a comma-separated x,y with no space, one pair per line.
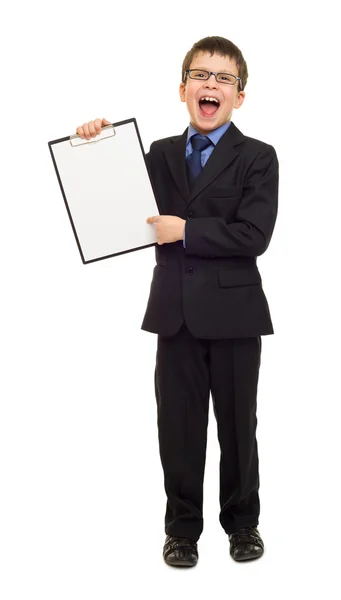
214,135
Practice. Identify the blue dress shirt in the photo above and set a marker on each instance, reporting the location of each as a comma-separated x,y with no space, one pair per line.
214,136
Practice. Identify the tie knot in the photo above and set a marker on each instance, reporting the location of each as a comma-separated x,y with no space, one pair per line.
200,142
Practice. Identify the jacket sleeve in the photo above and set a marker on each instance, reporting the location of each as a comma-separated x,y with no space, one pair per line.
251,231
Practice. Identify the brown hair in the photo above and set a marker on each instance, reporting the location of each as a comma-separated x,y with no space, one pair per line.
221,46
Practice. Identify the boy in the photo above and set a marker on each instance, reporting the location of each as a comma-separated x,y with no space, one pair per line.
217,194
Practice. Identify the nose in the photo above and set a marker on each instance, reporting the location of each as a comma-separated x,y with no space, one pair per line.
211,81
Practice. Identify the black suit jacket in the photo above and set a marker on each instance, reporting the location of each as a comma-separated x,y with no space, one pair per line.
213,284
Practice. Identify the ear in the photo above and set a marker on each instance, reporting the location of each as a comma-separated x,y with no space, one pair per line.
182,90
239,100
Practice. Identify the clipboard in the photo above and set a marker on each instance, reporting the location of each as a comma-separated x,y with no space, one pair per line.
107,190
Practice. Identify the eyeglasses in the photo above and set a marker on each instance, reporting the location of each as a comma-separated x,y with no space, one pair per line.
220,77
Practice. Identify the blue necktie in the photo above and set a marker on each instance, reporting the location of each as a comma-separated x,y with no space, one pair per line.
199,143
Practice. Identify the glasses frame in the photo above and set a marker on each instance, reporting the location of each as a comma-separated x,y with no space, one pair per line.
209,73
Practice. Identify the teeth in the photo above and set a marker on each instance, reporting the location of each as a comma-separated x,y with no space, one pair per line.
209,98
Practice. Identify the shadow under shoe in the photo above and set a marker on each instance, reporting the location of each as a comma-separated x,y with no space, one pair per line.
180,552
246,544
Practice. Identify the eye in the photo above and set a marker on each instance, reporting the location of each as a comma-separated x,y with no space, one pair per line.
226,77
198,74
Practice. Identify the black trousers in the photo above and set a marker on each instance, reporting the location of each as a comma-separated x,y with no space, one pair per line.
187,371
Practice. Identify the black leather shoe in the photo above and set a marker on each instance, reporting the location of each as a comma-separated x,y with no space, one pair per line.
180,552
246,544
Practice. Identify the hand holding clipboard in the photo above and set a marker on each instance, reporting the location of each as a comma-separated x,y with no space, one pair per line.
168,228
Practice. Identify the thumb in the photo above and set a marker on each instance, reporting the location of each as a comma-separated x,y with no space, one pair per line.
105,122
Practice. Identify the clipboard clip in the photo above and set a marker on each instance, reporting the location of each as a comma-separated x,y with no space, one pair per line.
107,132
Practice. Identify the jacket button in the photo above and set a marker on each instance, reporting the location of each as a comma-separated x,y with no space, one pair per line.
190,271
190,215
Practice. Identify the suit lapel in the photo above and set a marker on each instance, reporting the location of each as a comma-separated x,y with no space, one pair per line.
222,155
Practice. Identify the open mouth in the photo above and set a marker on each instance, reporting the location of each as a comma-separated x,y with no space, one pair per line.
208,106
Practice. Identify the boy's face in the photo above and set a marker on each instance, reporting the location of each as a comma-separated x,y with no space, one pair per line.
194,89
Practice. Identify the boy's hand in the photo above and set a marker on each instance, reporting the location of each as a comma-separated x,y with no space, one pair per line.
168,228
91,129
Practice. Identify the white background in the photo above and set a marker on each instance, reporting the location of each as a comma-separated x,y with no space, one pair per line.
82,501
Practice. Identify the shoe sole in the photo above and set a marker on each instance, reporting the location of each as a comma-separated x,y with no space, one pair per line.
244,558
182,563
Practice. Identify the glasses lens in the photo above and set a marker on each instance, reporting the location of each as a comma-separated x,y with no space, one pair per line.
226,78
198,74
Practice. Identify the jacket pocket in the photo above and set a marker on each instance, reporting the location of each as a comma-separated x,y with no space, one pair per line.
239,277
